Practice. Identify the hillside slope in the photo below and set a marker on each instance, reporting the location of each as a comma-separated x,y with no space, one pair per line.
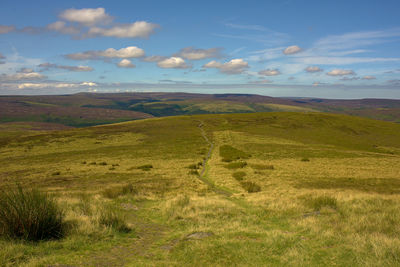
277,189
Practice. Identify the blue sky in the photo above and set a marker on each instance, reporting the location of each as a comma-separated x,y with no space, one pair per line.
331,49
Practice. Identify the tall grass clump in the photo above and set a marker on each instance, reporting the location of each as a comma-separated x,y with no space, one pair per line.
250,187
239,175
114,219
29,214
317,203
116,191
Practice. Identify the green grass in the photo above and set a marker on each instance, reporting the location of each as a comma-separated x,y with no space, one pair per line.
340,208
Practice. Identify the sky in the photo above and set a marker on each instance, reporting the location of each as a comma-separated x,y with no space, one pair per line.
328,49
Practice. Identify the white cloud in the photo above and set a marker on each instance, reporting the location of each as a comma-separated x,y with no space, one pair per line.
369,77
47,66
173,63
269,72
126,63
313,69
153,58
127,52
6,29
235,66
340,72
61,27
86,16
20,76
292,50
140,29
57,85
192,53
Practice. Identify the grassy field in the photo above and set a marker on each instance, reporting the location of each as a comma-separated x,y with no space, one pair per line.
278,188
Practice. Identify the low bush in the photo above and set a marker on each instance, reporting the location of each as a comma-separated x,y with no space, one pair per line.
239,175
305,159
103,163
56,173
236,165
193,166
194,172
250,187
31,215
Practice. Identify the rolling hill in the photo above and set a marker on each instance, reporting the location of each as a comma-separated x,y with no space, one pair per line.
252,189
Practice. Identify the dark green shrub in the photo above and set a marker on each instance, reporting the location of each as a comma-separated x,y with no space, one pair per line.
239,175
236,165
229,153
103,163
305,159
250,187
114,219
56,173
29,214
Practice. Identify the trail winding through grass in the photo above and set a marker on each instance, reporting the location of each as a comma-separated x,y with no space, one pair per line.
203,174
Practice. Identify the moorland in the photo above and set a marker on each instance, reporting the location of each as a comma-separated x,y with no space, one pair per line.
251,183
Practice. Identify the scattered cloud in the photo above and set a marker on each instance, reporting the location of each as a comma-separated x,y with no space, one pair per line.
173,63
192,53
260,82
6,29
127,52
86,16
21,75
269,72
141,29
340,72
47,66
292,50
153,58
61,27
25,70
235,66
57,85
174,82
369,77
355,78
126,63
313,69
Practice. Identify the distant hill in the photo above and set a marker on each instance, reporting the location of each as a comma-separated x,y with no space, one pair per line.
87,109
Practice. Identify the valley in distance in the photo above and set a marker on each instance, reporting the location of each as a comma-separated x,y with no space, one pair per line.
178,179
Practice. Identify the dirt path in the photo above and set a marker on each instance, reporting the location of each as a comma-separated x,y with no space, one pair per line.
203,174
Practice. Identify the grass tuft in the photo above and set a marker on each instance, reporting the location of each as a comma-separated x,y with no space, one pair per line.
116,191
250,187
111,218
317,203
239,175
236,165
31,215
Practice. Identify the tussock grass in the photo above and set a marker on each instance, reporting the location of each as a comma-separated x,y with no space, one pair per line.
145,167
239,175
29,214
114,219
250,187
116,191
236,165
317,203
229,153
262,167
